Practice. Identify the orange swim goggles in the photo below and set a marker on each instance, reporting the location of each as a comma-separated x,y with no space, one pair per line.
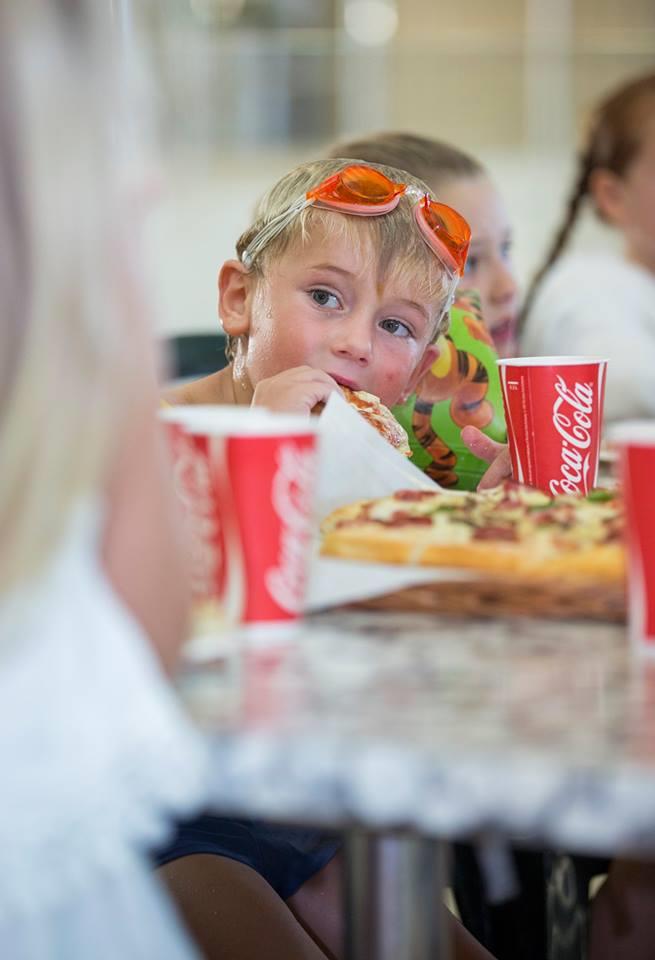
363,191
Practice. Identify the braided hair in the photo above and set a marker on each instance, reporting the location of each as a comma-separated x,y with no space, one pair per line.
613,143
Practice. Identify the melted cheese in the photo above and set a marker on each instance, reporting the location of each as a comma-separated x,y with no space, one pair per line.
563,524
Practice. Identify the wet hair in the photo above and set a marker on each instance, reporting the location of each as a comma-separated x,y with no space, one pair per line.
396,243
613,143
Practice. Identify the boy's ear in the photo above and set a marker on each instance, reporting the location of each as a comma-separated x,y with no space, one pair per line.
606,191
430,355
234,294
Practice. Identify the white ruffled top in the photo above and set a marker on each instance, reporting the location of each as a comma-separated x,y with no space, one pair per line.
598,304
96,759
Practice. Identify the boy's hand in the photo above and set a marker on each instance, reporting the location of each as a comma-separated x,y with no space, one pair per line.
294,391
497,454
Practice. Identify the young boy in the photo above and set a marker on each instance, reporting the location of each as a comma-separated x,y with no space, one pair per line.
318,299
344,279
329,299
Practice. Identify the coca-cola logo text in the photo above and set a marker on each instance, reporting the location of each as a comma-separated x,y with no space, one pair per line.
573,422
193,485
291,497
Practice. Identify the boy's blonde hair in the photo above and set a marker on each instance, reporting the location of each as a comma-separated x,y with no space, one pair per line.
394,237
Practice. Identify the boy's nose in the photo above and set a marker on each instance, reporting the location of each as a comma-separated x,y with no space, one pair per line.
504,287
354,342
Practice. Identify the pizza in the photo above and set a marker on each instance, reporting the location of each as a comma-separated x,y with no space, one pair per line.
380,417
511,529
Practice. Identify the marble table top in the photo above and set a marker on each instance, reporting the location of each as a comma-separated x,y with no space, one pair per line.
541,730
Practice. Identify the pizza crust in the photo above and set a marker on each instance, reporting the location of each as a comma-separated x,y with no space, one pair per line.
467,531
370,542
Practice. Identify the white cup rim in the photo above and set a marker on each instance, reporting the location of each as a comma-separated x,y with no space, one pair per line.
549,361
226,420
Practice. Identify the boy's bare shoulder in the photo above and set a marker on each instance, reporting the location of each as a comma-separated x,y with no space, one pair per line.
216,388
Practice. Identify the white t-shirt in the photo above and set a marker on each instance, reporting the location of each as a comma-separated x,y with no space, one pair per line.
600,305
96,758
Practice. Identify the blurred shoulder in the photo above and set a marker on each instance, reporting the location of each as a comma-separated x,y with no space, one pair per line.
584,296
590,274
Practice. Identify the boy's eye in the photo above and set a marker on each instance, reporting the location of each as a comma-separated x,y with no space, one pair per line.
472,264
396,327
506,250
324,298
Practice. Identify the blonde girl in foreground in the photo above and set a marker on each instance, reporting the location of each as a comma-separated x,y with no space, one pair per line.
97,757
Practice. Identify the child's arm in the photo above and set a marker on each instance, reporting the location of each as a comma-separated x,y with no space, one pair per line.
496,454
294,391
143,547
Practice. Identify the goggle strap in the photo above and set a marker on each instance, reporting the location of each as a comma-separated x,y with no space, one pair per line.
271,230
450,297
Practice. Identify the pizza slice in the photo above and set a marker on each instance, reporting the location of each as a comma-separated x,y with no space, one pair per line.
380,417
511,529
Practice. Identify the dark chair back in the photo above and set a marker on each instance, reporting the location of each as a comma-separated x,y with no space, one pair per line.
193,355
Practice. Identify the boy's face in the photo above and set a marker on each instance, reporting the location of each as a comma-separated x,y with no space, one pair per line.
489,267
321,304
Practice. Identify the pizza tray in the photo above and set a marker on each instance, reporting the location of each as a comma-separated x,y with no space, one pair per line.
502,596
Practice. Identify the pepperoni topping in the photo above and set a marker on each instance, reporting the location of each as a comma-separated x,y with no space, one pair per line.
413,496
562,524
496,533
543,519
613,529
401,517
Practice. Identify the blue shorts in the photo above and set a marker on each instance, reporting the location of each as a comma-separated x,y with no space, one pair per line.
284,856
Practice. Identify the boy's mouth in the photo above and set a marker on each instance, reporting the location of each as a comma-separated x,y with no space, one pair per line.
343,381
505,328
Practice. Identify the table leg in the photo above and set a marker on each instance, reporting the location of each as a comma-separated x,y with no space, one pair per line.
394,898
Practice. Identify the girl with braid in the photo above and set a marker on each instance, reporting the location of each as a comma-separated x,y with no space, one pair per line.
600,303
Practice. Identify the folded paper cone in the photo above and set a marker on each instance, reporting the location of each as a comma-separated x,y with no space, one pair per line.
356,463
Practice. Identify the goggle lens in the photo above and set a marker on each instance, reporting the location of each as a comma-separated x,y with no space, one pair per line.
364,191
449,228
357,185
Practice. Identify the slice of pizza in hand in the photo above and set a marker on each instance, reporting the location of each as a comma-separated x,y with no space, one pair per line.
380,418
511,529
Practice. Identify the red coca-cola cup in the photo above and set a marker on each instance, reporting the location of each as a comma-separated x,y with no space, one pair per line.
247,478
554,413
636,442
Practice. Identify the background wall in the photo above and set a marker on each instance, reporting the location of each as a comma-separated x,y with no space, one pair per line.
247,88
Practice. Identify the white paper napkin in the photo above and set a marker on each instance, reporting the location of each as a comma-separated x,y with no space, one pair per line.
356,463
334,582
